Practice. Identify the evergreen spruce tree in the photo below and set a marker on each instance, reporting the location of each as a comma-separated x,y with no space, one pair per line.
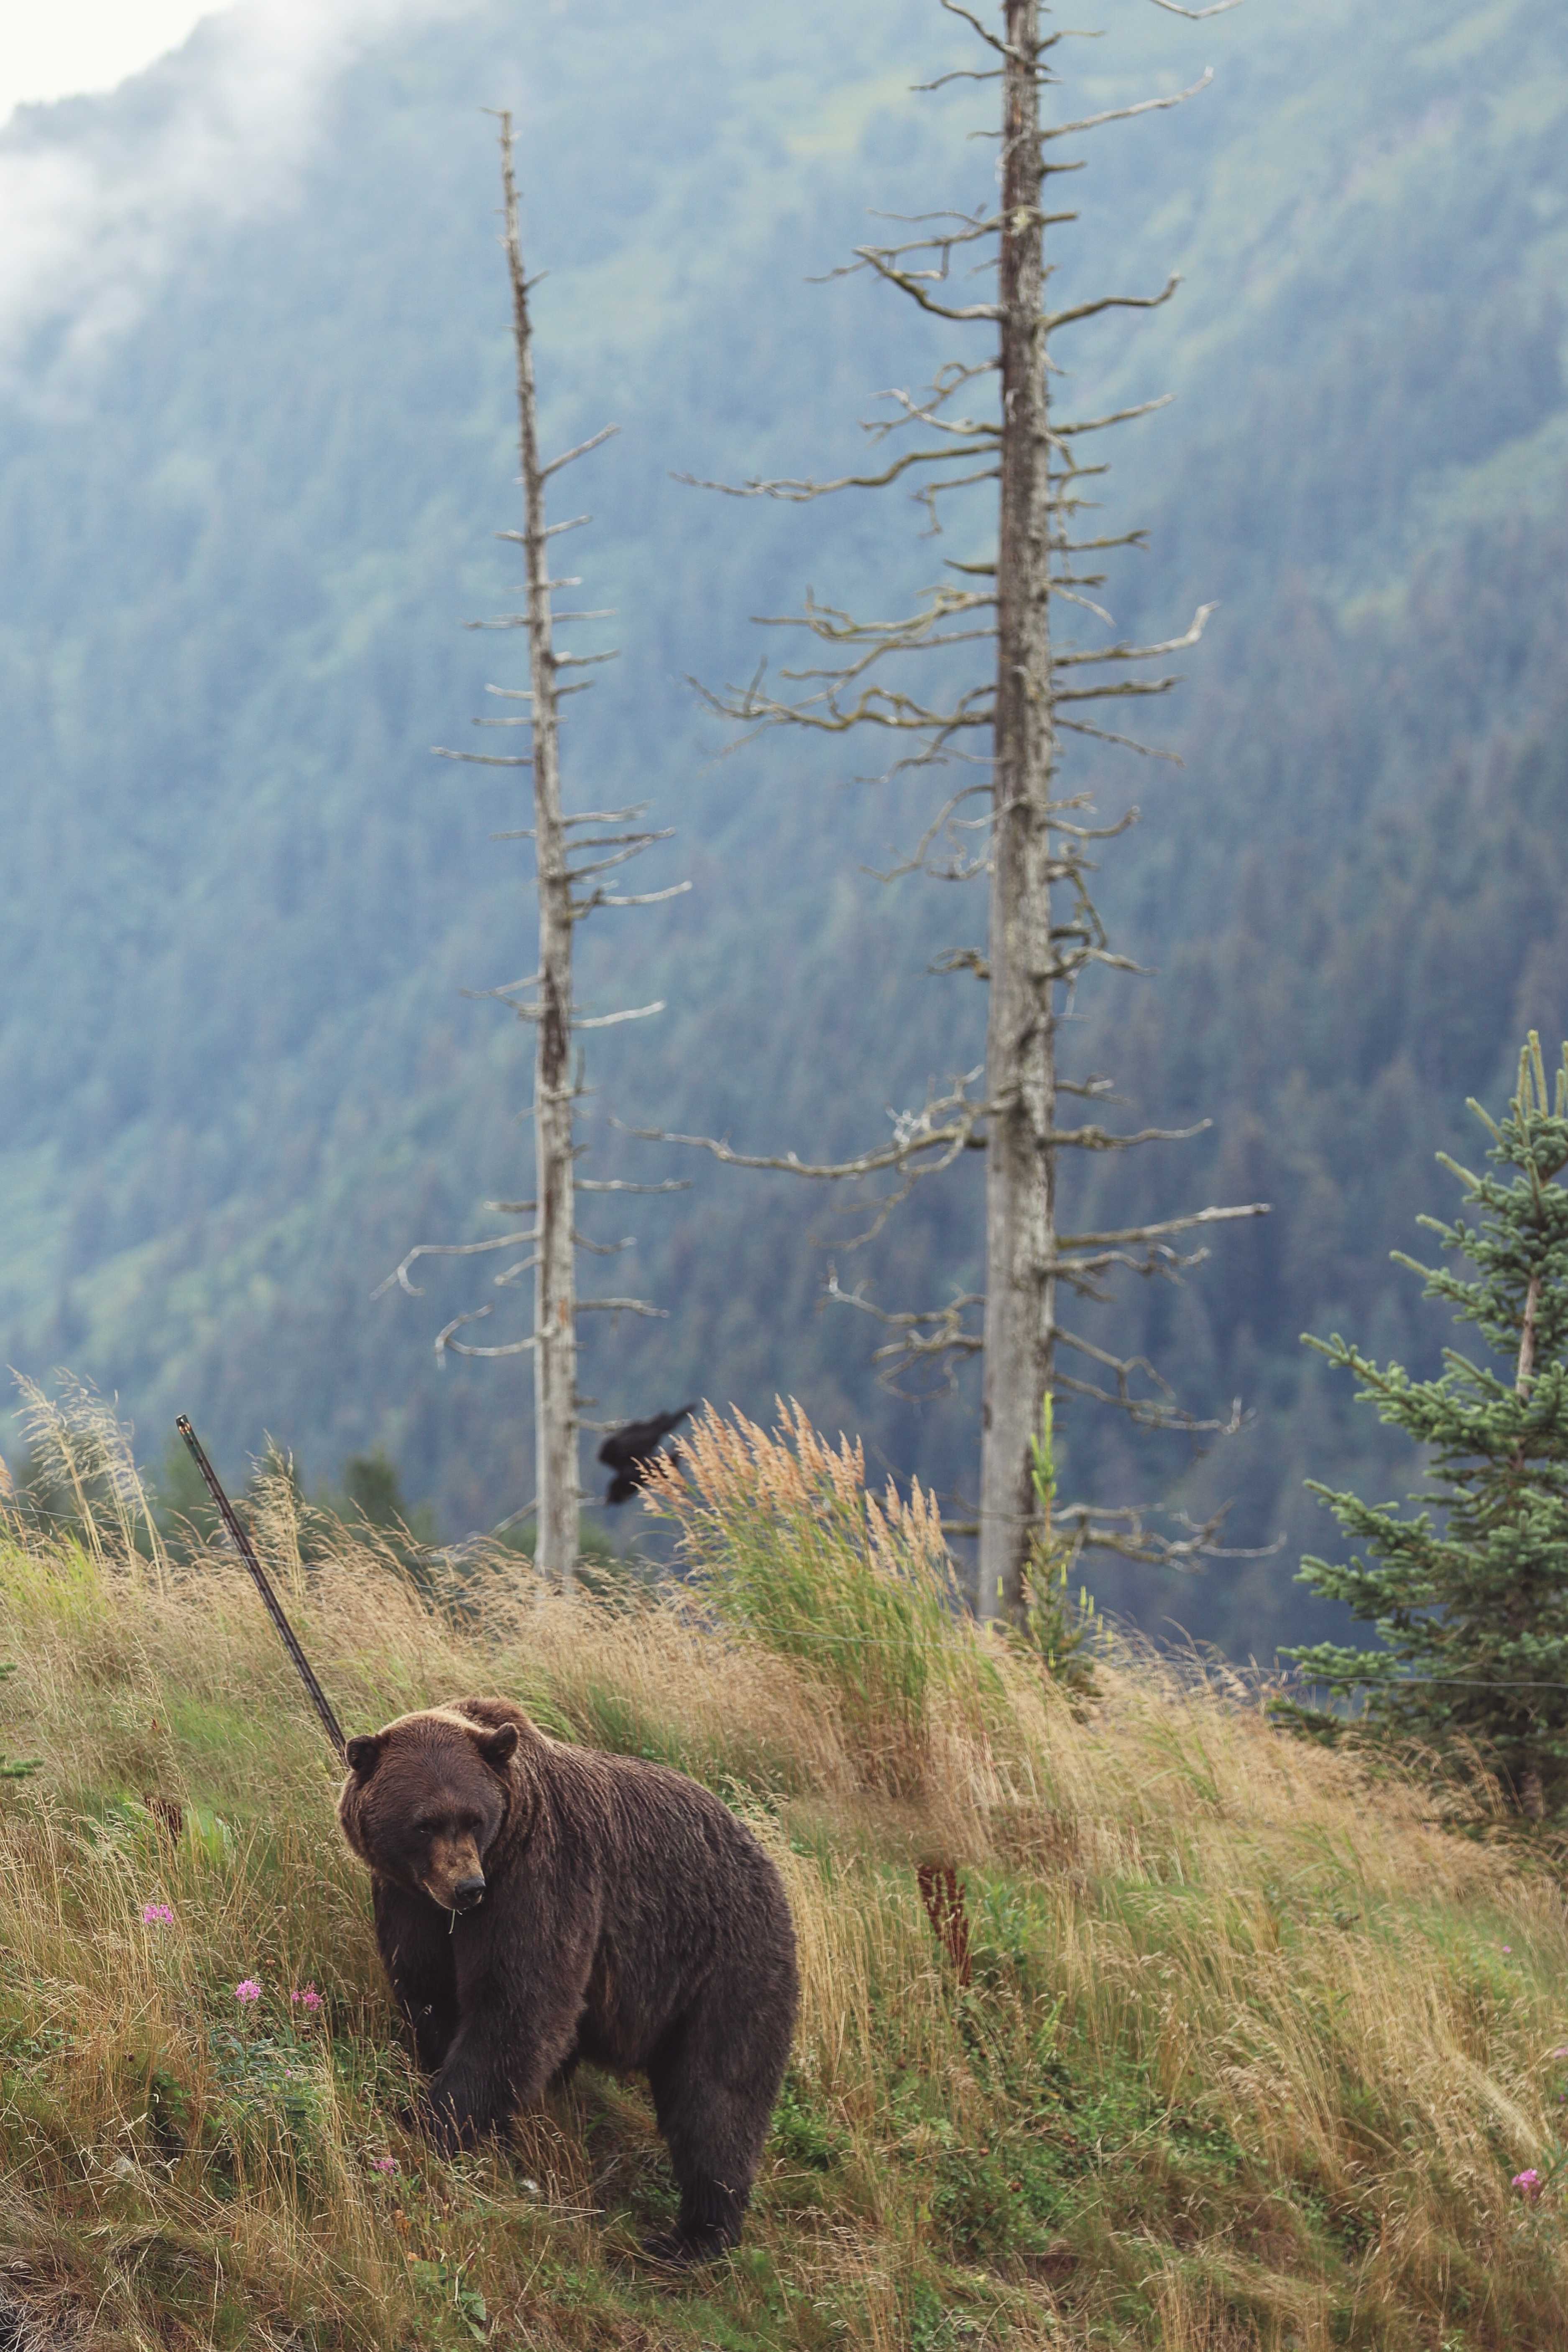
1470,1595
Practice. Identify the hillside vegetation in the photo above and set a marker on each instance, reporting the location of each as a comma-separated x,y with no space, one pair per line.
244,507
1250,2051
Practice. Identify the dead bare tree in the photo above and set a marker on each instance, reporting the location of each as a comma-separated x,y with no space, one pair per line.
569,862
1009,817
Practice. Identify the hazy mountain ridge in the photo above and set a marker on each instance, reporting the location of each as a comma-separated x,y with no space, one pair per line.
243,900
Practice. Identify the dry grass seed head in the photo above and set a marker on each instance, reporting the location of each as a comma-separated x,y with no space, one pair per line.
79,1437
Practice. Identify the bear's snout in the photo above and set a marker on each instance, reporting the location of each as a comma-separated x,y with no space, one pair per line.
454,1874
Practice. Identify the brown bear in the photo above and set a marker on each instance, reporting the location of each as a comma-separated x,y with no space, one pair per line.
537,1903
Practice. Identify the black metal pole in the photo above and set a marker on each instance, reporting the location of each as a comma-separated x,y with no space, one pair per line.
247,1551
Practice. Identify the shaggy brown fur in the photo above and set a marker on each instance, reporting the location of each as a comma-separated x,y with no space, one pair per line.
536,1904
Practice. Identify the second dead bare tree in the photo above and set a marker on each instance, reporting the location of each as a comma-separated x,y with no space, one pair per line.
566,858
1009,819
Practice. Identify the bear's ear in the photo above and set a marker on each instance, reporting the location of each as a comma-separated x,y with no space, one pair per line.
363,1754
499,1746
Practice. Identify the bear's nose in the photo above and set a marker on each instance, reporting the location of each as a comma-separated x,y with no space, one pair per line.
469,1891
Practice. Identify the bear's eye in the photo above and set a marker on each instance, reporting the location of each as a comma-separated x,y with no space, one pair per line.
469,1823
425,1826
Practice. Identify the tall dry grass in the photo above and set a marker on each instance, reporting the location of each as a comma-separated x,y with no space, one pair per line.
778,1532
1253,2049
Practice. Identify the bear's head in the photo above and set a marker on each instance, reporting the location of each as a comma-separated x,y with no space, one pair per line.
427,1799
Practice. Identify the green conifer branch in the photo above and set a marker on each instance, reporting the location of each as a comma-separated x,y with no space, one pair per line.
1467,1587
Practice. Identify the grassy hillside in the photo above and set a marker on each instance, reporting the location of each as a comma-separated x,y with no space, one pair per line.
1251,2051
239,903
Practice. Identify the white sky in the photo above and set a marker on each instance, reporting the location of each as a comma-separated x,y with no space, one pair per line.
69,45
93,225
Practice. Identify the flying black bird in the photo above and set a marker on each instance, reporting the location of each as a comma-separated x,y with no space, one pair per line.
627,1451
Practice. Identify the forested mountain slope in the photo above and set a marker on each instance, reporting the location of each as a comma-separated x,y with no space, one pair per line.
245,500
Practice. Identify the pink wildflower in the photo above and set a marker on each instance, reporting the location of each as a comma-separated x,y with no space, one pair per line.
308,1999
1528,2184
247,1989
157,1914
383,2163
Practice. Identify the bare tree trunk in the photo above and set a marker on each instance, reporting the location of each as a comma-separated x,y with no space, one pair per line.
1042,929
554,1281
1525,1375
571,855
1020,1044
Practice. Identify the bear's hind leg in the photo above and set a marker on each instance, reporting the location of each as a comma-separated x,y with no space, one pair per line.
714,2085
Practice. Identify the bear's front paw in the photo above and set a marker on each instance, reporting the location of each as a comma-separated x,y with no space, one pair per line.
682,2249
450,2122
